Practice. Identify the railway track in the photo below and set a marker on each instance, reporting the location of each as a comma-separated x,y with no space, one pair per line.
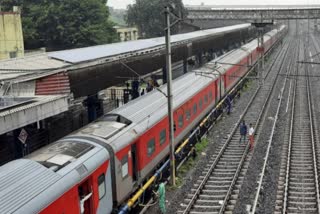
283,96
216,191
298,187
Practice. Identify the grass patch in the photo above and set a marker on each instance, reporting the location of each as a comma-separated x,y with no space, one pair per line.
247,86
200,147
189,164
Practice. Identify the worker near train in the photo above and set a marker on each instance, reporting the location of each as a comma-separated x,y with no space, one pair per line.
229,104
251,136
243,131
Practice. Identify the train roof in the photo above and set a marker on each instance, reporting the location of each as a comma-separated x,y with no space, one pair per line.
31,184
144,112
21,180
126,123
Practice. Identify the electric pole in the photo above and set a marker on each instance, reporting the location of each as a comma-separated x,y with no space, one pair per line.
169,96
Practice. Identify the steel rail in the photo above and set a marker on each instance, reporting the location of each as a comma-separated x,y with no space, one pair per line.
195,196
311,116
290,148
255,203
264,107
212,167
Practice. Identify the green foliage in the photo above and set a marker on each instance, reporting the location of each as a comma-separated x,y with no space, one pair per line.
148,16
201,146
63,24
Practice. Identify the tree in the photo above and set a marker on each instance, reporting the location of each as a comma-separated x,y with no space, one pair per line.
148,16
64,24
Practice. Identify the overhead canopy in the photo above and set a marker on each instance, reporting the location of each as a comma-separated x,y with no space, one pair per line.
109,50
30,111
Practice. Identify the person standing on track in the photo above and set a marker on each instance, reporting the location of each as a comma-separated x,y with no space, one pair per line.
251,136
243,131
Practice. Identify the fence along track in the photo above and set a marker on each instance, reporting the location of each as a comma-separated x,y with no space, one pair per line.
213,190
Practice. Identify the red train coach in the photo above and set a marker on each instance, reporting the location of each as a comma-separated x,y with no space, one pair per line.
97,168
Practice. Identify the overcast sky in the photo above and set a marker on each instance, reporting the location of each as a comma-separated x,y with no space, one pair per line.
124,3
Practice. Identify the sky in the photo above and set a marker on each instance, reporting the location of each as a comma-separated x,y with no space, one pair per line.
123,3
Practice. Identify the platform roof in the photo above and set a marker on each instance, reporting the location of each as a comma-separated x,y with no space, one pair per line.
110,50
42,64
37,108
28,65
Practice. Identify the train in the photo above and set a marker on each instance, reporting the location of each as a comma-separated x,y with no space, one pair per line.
97,168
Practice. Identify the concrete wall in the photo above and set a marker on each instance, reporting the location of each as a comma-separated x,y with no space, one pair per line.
11,37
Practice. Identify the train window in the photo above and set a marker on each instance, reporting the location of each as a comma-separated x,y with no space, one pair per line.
200,104
188,114
195,108
163,136
180,121
101,186
151,147
206,99
124,167
210,95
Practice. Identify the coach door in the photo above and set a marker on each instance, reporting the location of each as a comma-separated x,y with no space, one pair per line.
134,162
86,197
216,91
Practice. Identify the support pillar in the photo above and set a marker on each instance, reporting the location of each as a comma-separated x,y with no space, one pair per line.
185,66
308,37
199,57
164,75
262,57
260,50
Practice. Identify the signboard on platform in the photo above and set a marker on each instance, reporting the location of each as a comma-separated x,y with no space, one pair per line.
23,136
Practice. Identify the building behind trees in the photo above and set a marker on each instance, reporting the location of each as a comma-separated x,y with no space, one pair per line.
11,36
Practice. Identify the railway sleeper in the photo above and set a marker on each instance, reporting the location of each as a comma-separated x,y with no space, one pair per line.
308,199
214,186
204,196
210,191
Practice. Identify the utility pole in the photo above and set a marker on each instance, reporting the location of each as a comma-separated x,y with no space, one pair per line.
308,37
260,49
169,96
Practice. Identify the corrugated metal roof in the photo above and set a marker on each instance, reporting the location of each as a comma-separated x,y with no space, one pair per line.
41,107
29,65
53,85
108,50
37,101
22,180
32,62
